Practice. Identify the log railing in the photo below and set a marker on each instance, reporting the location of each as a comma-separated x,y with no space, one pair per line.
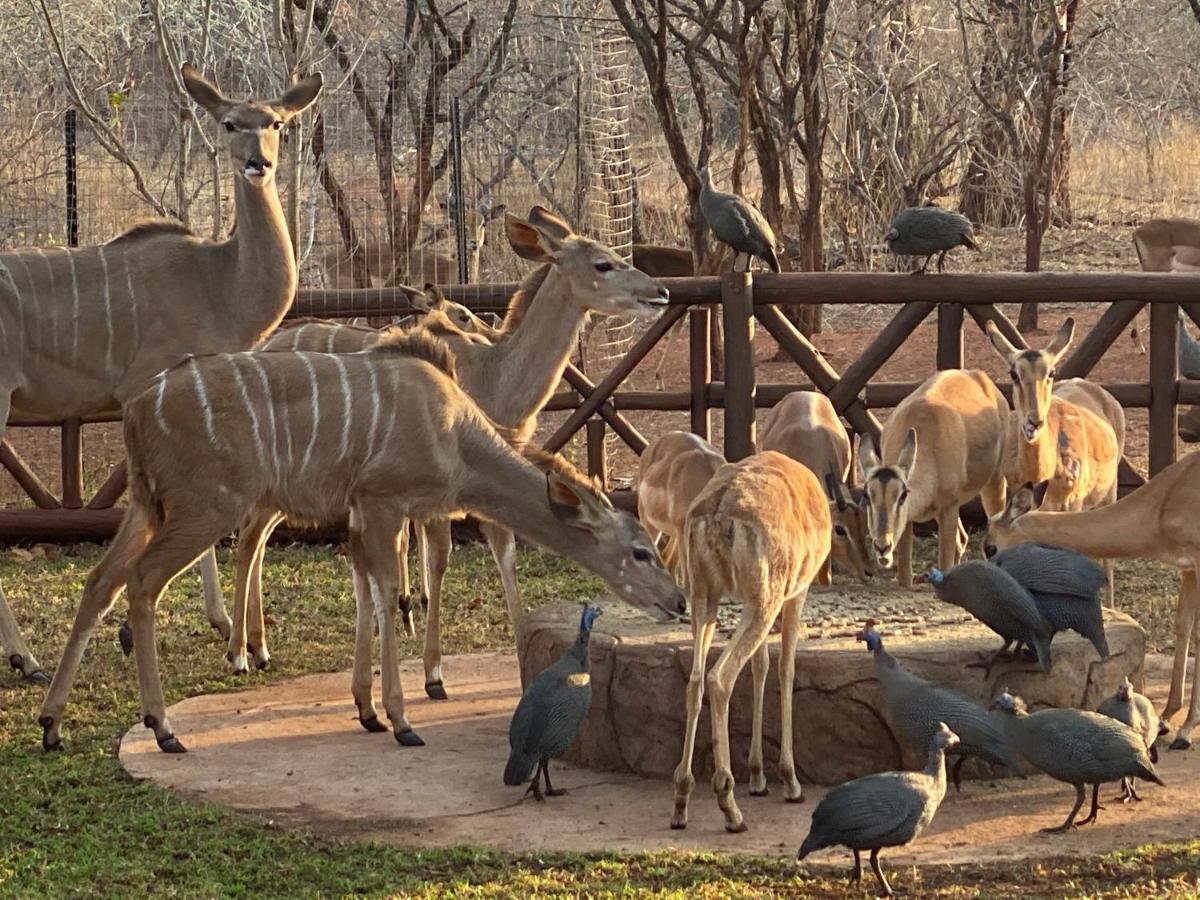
743,298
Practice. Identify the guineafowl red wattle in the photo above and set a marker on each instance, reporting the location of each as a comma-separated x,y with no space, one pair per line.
917,707
889,809
737,222
1136,711
551,713
929,230
1077,747
1064,584
997,600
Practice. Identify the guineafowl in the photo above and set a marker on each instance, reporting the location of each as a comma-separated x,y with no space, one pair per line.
928,230
997,600
916,707
889,809
551,712
737,222
1136,711
1064,584
1077,747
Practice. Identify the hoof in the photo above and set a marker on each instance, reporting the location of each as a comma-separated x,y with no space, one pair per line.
125,636
170,744
735,827
373,725
409,739
262,664
224,629
760,792
50,741
435,690
1181,744
678,824
799,798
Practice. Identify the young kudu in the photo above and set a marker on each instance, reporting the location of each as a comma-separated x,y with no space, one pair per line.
942,445
1157,521
758,533
672,471
83,329
387,434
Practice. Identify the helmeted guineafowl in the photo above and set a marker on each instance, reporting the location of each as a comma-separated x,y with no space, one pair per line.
997,600
551,712
889,809
916,707
928,230
1136,711
737,222
1064,584
1077,747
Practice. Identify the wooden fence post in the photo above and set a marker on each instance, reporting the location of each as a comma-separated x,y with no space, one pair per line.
949,336
737,314
597,458
700,368
72,464
1164,373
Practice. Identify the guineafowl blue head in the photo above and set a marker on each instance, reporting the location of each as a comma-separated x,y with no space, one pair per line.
1008,703
870,637
935,576
591,613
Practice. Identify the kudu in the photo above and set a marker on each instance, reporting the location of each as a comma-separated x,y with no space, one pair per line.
941,446
758,533
83,329
387,434
672,471
805,426
1157,521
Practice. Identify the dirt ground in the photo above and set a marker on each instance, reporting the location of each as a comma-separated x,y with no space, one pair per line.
294,753
847,331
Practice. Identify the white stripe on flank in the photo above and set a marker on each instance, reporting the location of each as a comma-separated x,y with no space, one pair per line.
32,296
16,312
347,404
53,305
393,392
330,336
74,305
316,409
158,402
241,384
373,389
135,325
108,331
202,397
266,383
298,337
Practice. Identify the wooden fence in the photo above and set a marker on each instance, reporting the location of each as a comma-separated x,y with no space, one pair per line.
740,299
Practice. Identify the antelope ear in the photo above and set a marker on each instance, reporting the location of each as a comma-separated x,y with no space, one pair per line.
547,223
299,96
1039,493
908,453
496,212
204,92
1062,338
525,240
864,452
573,504
422,301
1000,343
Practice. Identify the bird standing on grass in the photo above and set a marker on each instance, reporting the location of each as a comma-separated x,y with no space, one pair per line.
1136,711
551,713
737,222
928,230
889,809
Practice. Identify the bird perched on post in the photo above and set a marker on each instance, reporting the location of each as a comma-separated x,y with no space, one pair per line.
889,809
917,707
1077,747
997,600
551,713
1064,584
928,230
1136,711
737,222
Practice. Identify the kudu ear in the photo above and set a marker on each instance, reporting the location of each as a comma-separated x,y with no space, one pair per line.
908,453
1062,338
525,240
573,504
864,453
204,92
299,96
424,301
552,230
1002,345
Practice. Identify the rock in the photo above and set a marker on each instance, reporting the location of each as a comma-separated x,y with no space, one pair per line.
640,672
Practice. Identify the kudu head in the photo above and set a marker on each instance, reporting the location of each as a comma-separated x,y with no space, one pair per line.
597,278
851,541
253,126
1004,527
1033,373
885,490
621,552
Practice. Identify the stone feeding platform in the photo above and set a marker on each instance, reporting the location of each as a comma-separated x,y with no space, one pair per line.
640,672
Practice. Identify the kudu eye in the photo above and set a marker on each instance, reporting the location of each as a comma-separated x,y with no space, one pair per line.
641,554
604,267
839,530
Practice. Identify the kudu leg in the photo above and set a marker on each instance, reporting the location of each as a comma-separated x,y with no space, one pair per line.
103,586
792,609
1184,616
361,686
503,544
1189,594
214,603
247,593
704,625
759,663
435,556
20,657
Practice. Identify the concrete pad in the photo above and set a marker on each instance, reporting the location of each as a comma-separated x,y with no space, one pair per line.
294,752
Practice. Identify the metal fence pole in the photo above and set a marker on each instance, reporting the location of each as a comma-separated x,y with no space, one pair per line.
69,129
456,189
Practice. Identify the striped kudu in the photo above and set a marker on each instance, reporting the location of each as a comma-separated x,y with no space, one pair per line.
82,329
387,434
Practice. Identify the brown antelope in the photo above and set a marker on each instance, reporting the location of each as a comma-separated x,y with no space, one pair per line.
83,329
1157,521
942,445
805,426
387,434
512,380
1060,432
672,471
758,533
